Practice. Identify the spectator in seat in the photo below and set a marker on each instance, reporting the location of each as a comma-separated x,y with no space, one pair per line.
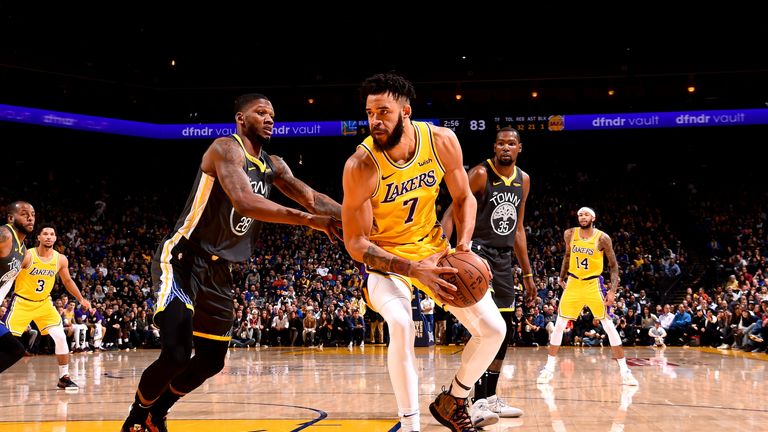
657,334
357,326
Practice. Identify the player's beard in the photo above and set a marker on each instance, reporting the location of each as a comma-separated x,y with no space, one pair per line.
263,140
22,228
587,226
394,138
505,162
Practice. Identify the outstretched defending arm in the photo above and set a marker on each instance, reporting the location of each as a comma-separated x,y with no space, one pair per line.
297,190
224,160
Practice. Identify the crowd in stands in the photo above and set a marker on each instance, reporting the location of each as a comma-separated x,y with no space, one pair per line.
731,312
299,289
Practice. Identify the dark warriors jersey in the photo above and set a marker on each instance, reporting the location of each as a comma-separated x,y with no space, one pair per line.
497,214
210,221
11,265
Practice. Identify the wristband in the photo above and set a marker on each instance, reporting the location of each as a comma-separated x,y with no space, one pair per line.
530,275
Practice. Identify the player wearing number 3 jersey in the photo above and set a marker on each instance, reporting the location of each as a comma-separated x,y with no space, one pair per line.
31,299
219,225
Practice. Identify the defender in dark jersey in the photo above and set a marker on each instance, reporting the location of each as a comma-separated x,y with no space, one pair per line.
501,189
21,222
190,270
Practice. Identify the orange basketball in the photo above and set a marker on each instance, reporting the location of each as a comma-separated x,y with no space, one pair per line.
471,281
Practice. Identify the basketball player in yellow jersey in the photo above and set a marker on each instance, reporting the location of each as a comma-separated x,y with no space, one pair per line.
31,299
585,249
390,187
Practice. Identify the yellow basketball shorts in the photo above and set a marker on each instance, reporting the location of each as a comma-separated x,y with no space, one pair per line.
579,293
23,311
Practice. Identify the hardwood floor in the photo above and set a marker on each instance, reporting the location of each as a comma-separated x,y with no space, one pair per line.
337,389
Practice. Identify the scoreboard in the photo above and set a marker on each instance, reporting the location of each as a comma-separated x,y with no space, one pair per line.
461,125
554,123
521,123
467,126
530,123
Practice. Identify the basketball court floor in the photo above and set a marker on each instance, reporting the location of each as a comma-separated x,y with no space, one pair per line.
339,390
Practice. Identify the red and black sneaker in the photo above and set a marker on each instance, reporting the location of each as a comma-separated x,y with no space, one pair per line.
156,424
136,427
452,412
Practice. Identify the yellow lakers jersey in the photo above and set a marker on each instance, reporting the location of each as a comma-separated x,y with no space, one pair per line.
36,282
404,199
586,259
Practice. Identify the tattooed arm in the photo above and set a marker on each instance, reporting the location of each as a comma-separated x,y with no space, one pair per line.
566,256
224,160
6,241
297,190
606,245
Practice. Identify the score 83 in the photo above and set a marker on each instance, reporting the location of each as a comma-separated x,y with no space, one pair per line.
477,125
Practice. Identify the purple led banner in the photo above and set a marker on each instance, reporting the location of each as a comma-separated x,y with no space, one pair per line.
665,119
569,122
149,130
75,121
213,130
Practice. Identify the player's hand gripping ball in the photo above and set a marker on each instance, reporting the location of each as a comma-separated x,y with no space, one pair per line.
471,281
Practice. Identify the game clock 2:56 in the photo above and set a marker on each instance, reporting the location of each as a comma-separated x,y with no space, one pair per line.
462,125
453,124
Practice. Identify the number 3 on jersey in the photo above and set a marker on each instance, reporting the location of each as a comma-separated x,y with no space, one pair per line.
40,286
583,264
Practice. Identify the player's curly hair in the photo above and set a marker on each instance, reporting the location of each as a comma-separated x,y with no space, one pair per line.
391,83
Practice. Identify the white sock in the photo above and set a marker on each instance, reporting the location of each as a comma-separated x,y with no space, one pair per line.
410,422
623,365
550,366
63,370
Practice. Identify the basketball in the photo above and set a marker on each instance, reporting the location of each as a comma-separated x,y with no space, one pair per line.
471,281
